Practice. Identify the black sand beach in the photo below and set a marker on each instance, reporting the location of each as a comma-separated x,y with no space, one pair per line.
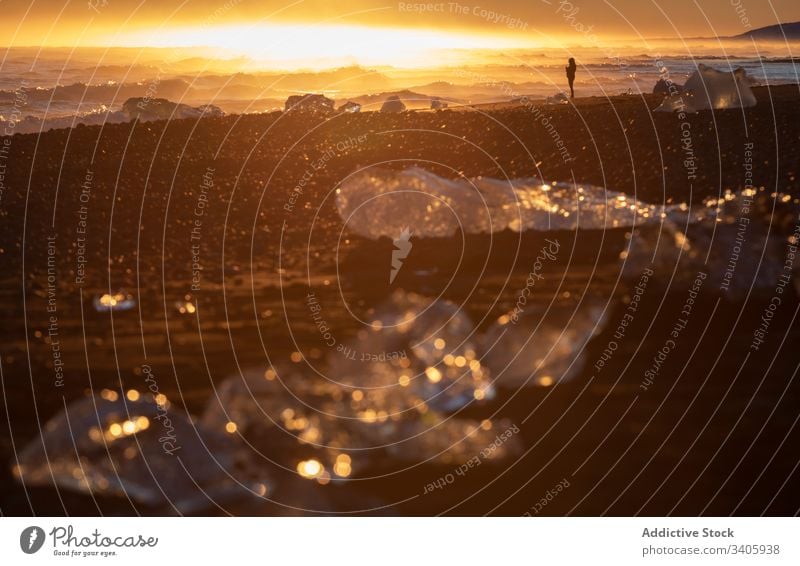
98,209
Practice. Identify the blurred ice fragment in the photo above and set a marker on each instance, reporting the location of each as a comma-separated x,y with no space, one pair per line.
141,450
186,306
417,351
737,240
119,301
542,345
384,406
328,432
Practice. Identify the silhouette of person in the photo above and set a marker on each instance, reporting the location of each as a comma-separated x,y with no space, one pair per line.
571,68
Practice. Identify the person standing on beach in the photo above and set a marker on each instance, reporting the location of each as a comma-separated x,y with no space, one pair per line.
571,68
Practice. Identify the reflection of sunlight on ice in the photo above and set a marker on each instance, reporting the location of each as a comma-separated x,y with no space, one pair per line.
118,301
381,202
725,237
542,345
364,416
310,469
127,446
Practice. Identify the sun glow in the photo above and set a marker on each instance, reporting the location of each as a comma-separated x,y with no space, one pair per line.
319,46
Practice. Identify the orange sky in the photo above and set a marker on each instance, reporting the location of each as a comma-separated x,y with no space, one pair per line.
527,22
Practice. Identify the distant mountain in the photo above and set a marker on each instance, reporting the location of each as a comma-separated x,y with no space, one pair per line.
778,32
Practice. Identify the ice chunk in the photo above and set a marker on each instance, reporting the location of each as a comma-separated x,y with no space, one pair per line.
709,88
325,431
393,104
542,345
667,87
140,449
311,103
725,239
119,301
429,348
287,417
380,202
350,107
146,109
558,98
438,104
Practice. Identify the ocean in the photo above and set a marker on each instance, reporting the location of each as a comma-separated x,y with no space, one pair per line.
56,88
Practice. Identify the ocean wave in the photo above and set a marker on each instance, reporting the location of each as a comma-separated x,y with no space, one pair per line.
141,108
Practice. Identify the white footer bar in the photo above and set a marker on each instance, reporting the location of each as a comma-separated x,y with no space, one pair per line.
399,541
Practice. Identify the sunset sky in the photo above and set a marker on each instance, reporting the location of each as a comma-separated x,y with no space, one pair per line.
305,29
